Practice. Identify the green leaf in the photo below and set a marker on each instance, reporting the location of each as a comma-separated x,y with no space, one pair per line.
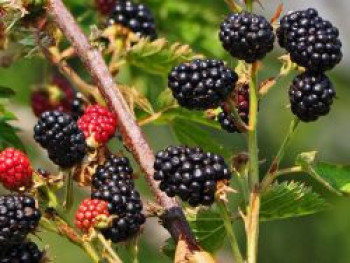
197,117
192,134
6,93
8,136
208,227
333,175
158,57
336,178
169,248
7,116
290,199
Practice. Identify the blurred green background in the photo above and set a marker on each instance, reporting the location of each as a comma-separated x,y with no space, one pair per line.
321,238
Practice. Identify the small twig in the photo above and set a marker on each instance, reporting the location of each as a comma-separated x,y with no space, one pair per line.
241,125
230,232
252,222
269,180
69,195
62,228
270,176
110,250
252,227
252,133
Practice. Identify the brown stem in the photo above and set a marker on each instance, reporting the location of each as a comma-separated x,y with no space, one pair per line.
174,219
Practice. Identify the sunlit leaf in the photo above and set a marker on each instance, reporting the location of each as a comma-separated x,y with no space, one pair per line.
290,199
158,57
208,227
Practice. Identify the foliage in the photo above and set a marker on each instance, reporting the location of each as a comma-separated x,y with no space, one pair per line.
188,28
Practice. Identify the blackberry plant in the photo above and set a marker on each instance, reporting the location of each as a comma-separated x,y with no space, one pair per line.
200,93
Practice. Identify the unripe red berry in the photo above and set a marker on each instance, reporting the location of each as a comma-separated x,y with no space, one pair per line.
15,169
58,96
88,213
98,123
105,7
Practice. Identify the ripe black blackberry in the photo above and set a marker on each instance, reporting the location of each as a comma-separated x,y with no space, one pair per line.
18,217
26,252
247,36
115,169
78,106
190,173
136,17
311,41
311,96
125,203
201,84
59,134
241,102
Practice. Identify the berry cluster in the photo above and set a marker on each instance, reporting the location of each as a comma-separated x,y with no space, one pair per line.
115,169
57,96
247,36
241,103
112,183
201,84
311,41
314,44
190,174
98,123
59,134
88,213
15,169
136,17
18,217
26,252
105,6
311,96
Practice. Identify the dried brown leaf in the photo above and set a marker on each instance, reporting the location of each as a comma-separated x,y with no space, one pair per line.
277,13
266,85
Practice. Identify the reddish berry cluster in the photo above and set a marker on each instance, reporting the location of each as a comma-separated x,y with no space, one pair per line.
105,7
42,101
87,213
15,169
98,122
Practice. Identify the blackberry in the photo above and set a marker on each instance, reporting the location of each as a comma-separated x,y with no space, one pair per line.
201,84
311,41
59,134
125,203
26,252
247,36
241,102
311,96
78,106
136,17
115,169
190,173
18,217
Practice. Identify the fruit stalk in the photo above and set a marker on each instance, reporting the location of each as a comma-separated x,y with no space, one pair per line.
271,174
230,233
252,221
132,135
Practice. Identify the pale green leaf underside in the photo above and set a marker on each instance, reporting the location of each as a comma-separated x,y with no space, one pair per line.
290,199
